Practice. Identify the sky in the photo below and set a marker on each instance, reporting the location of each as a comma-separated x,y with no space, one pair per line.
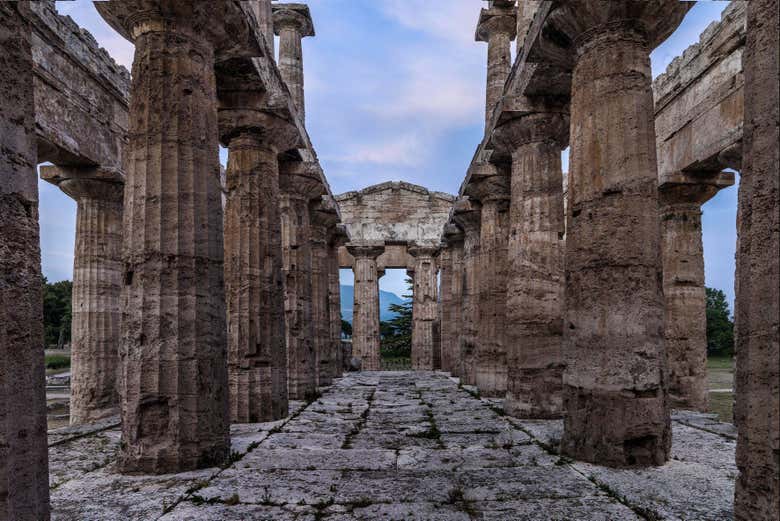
395,90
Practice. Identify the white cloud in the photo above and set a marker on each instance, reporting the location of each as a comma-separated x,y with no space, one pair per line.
453,20
405,151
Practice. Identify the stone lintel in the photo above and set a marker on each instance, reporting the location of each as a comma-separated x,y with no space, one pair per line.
696,188
59,175
236,117
296,15
497,19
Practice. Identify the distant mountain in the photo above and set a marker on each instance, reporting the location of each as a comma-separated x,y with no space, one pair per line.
385,299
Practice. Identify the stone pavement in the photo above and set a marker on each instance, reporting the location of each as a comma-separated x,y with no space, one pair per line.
398,445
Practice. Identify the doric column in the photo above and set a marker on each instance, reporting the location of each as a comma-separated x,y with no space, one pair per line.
24,469
534,283
300,184
757,412
424,306
491,369
467,215
97,287
323,220
365,319
451,259
338,237
686,300
497,26
613,327
254,287
173,348
292,22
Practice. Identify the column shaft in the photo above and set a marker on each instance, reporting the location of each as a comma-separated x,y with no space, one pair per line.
320,302
424,311
613,332
173,346
24,471
291,64
257,351
470,305
491,370
334,311
535,283
498,68
296,247
97,277
365,320
757,412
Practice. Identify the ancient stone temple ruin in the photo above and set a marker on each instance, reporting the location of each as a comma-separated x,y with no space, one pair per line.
558,345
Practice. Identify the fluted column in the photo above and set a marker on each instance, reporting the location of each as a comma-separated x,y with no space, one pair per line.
534,283
173,347
757,411
686,300
365,319
424,306
467,215
497,26
292,23
451,259
613,329
323,219
97,286
254,287
338,237
300,185
24,470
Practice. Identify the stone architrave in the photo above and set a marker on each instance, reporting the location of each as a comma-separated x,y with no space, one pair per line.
300,184
323,220
497,26
613,327
97,288
534,305
467,215
365,319
173,348
451,260
685,323
757,411
424,306
292,23
254,286
24,469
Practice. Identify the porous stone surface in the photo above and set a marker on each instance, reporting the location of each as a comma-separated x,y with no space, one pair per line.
23,464
292,23
757,411
399,445
365,319
497,26
424,307
451,289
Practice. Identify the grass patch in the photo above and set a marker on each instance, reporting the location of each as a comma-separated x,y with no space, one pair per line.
57,361
722,404
720,362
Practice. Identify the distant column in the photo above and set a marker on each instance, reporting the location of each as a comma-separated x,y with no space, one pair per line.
97,286
467,215
292,22
365,321
451,299
323,220
757,412
424,306
24,469
338,238
497,26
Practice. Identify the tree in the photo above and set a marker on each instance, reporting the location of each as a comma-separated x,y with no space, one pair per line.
57,312
346,328
398,340
720,327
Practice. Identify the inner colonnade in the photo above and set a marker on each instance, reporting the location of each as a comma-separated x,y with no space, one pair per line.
204,298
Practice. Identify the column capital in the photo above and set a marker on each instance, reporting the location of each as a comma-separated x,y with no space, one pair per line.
693,188
86,182
301,179
296,16
421,251
452,234
532,124
500,18
489,188
370,250
238,116
467,214
324,213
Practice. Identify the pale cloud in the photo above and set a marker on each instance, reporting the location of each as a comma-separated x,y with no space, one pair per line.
453,20
404,151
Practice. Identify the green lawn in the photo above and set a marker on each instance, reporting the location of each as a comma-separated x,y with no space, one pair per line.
720,375
57,361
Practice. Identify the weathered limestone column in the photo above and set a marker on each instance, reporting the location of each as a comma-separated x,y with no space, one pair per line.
97,287
300,184
24,468
467,215
365,320
534,309
292,22
497,26
424,306
254,287
451,260
338,237
757,412
686,300
323,220
613,328
491,368
173,349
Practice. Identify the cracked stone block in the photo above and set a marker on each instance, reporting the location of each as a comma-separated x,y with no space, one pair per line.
394,487
74,459
264,459
590,508
271,486
524,483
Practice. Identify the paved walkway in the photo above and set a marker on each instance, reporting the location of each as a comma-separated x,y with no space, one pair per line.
397,445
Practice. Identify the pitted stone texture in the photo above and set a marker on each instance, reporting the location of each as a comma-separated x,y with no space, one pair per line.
292,22
757,412
23,464
497,26
424,307
451,259
365,320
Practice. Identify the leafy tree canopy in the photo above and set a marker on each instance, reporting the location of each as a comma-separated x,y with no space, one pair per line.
57,312
720,327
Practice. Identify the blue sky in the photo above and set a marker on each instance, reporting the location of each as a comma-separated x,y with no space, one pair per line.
395,91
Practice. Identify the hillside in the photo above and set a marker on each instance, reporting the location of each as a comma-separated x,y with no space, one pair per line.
385,299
